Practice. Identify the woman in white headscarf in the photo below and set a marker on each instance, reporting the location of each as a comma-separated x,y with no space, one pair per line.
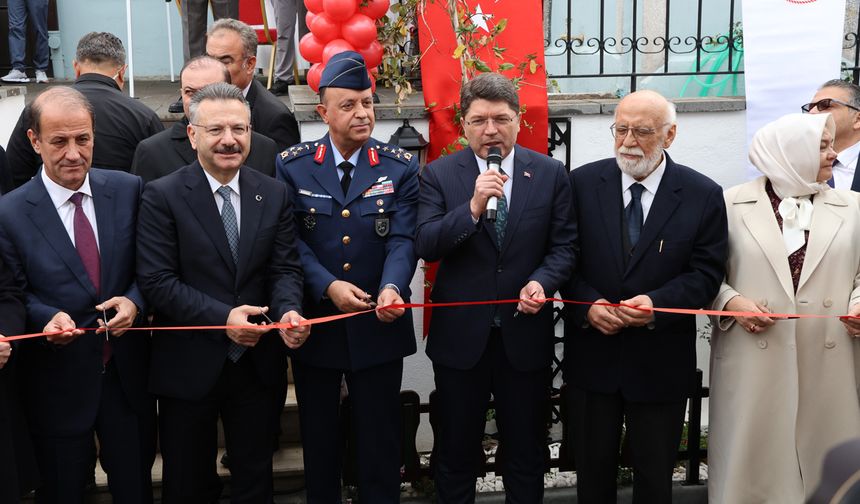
784,391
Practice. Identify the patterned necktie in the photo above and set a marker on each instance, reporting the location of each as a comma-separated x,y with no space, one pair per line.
231,228
88,250
634,214
501,217
346,166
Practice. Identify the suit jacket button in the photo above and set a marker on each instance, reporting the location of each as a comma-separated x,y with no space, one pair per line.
828,303
829,344
762,344
347,266
346,240
345,213
499,269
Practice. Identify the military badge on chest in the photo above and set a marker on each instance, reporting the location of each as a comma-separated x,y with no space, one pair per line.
310,221
382,224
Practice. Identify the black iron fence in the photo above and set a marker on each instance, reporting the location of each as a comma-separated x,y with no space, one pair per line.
851,47
638,49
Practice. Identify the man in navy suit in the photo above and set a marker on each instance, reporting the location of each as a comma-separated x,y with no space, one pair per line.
356,200
217,246
651,233
841,100
69,236
527,253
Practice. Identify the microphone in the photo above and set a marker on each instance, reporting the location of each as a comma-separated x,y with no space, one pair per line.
494,162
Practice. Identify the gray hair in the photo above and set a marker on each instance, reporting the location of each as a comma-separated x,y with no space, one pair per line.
671,113
65,97
245,32
216,91
205,61
853,89
491,87
99,48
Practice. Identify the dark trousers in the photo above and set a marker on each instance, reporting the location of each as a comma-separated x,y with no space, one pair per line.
521,416
194,19
126,450
189,440
376,426
653,432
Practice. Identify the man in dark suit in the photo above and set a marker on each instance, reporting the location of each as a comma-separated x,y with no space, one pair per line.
235,44
526,253
651,233
170,150
121,122
356,202
17,466
217,246
841,100
68,235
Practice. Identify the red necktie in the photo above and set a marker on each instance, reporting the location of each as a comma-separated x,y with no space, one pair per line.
88,250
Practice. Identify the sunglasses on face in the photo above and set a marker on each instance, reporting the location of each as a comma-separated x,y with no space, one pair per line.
825,105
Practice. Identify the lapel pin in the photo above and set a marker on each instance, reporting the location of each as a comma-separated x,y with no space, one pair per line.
527,174
258,198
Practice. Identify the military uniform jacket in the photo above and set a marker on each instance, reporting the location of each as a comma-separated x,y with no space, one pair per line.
365,238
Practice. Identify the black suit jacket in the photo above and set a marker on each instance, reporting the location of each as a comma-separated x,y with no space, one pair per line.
17,464
185,268
271,117
64,382
679,262
121,123
538,245
170,150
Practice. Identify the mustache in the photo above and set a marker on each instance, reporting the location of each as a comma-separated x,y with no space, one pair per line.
635,151
228,149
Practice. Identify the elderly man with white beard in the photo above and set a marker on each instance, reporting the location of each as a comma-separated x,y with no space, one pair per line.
651,233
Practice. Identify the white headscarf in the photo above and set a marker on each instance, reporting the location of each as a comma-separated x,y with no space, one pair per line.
787,151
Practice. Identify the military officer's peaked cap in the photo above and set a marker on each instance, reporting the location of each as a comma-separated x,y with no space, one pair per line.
346,70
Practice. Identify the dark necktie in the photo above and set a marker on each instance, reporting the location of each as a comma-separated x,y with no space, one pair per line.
346,166
88,250
635,216
231,229
501,216
830,181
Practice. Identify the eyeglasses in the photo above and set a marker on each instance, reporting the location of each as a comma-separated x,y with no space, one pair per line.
638,133
218,130
825,105
500,121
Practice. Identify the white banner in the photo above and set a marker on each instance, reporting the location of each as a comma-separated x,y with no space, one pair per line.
791,47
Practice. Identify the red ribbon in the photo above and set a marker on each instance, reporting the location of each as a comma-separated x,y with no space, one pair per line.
331,318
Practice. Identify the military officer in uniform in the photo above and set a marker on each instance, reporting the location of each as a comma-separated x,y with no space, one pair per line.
355,207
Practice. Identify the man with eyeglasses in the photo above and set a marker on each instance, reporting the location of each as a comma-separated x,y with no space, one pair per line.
122,122
841,100
170,150
216,246
356,201
652,233
525,253
234,43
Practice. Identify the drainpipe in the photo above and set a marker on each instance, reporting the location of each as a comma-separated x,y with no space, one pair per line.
55,43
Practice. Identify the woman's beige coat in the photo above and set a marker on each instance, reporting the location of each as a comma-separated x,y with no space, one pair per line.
781,398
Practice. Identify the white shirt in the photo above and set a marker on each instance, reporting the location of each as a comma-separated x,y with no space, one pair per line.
338,159
234,196
843,167
651,183
507,167
247,88
66,209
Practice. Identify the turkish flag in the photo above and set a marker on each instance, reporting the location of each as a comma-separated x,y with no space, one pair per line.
504,36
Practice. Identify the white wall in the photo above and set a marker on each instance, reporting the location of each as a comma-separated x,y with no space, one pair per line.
10,108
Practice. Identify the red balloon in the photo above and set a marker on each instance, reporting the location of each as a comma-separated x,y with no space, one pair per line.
335,47
315,6
340,10
359,30
374,71
309,17
324,28
310,48
374,9
314,76
372,82
372,54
